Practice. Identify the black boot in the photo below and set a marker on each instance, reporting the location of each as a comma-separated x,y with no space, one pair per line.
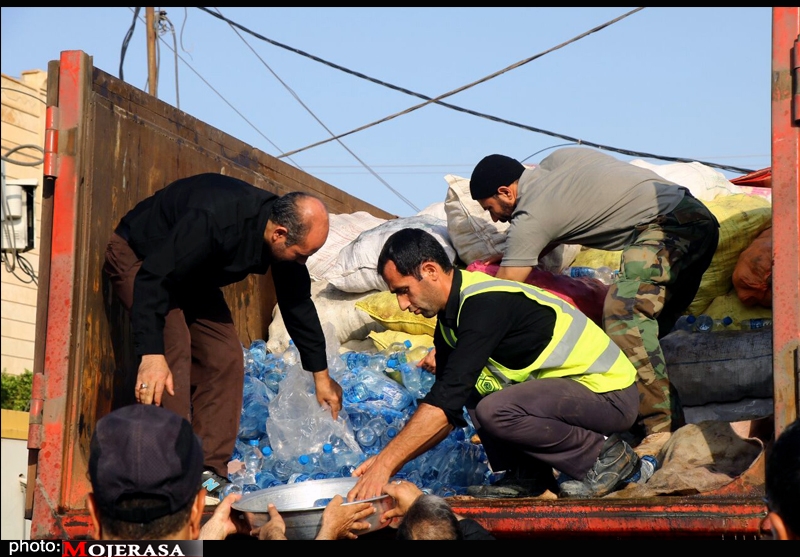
616,463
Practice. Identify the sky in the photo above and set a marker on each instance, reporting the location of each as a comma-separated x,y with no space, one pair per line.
679,83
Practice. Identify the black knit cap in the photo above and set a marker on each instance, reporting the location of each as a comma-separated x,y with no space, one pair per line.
493,172
148,451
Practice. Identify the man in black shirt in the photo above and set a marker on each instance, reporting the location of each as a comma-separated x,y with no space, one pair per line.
543,384
167,261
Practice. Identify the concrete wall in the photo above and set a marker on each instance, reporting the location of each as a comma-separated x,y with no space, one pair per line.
23,123
13,472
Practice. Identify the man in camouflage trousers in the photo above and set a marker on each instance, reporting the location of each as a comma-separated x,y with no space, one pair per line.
581,196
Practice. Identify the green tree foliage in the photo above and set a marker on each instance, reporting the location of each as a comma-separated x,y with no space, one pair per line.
16,391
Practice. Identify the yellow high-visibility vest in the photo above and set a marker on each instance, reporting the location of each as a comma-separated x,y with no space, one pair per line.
579,348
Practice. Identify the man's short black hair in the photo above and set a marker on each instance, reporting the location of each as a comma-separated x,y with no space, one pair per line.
409,248
286,212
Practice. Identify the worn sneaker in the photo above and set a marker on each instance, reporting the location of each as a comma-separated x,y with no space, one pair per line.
214,484
516,483
617,462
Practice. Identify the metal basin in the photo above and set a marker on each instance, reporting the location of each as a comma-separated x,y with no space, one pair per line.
301,505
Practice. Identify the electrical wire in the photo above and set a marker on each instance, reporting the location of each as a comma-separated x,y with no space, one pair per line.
13,150
438,100
237,111
126,41
24,93
326,128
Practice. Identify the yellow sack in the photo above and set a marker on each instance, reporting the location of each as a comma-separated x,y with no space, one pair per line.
596,258
741,218
383,308
731,306
386,338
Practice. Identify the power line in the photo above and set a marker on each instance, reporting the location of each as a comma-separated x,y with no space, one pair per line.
321,123
438,100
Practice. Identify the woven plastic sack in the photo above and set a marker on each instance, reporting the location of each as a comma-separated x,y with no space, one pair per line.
752,276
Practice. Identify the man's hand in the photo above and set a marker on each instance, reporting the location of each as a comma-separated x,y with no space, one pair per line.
329,392
153,379
404,493
372,477
222,524
339,521
275,529
428,363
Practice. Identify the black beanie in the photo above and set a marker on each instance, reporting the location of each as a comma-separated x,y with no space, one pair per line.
493,172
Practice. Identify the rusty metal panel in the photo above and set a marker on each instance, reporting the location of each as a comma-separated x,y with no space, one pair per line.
785,215
112,145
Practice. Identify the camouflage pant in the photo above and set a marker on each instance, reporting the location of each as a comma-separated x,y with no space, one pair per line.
659,277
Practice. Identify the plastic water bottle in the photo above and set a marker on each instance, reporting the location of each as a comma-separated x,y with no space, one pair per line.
268,462
354,390
327,460
389,433
252,462
291,355
685,323
647,467
368,439
306,463
756,323
722,324
604,274
704,323
282,469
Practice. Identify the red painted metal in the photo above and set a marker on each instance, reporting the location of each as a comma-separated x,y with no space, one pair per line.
785,214
52,437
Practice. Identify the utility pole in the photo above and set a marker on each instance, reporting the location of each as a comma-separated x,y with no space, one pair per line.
152,74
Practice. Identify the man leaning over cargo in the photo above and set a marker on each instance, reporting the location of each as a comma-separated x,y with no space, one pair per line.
167,261
667,237
544,386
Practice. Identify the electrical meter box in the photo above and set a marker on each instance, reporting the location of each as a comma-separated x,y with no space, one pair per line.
18,214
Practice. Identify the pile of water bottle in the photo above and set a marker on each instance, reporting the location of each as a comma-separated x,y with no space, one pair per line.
705,323
380,391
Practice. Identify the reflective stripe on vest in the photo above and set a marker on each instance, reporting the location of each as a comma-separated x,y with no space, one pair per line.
578,345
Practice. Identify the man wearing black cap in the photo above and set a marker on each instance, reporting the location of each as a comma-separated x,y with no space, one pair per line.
667,237
145,467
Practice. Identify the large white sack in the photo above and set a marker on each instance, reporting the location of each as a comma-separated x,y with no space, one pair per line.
356,267
333,307
344,228
704,182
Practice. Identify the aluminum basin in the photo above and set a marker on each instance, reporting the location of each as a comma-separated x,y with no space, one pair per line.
301,505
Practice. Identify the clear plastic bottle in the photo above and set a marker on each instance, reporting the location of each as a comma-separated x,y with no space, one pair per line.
704,323
291,355
604,274
268,462
252,462
685,323
647,467
327,460
722,324
756,323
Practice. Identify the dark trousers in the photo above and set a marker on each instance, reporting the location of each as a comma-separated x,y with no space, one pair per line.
203,351
555,421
